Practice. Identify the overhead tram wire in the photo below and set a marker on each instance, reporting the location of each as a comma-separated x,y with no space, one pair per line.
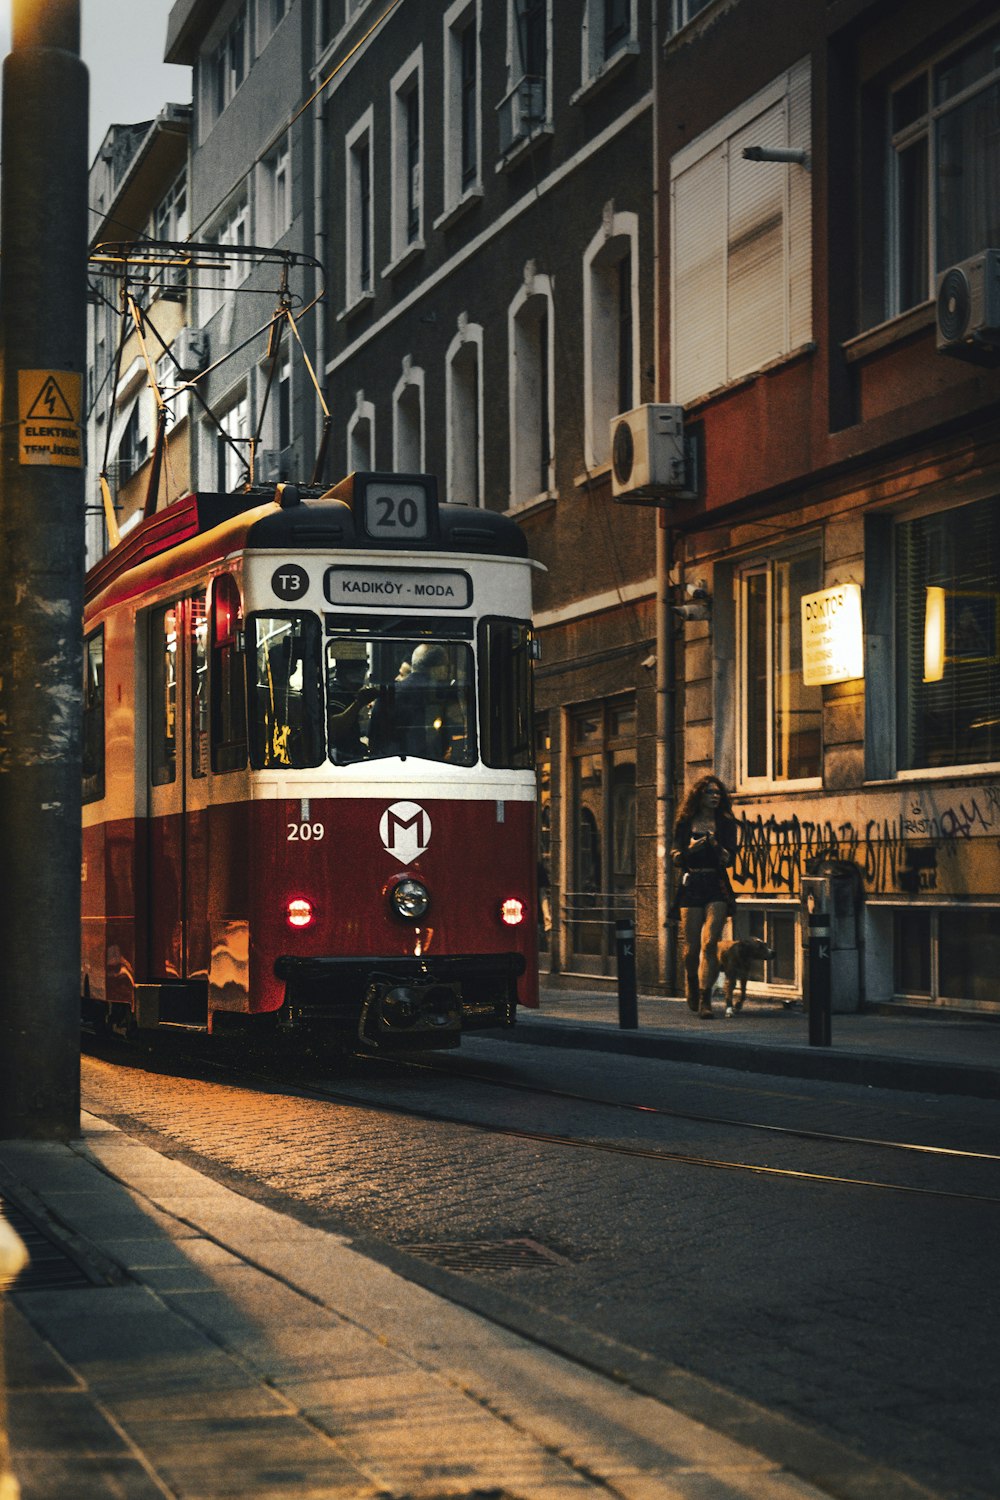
185,254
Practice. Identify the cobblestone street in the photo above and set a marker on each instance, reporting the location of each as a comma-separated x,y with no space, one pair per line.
824,1302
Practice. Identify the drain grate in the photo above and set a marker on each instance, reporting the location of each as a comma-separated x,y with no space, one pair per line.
518,1254
49,1268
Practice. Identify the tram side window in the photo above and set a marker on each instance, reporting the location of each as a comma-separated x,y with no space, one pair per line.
93,716
228,676
506,694
199,686
286,712
163,695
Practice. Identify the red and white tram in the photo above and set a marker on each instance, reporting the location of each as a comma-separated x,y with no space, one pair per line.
309,796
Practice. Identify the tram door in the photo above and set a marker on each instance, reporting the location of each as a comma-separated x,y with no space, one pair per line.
177,765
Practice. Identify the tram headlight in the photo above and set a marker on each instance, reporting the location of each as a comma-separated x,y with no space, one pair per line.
512,912
410,899
299,912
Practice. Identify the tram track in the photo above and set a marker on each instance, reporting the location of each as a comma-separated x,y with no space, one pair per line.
653,1153
280,1072
796,1132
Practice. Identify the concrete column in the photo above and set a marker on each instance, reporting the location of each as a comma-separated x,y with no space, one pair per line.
43,263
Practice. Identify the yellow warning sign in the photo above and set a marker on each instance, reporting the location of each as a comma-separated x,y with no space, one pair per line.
49,405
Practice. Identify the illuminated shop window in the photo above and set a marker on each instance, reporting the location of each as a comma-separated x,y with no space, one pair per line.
780,720
948,638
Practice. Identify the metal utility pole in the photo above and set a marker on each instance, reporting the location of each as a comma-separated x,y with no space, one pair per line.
43,263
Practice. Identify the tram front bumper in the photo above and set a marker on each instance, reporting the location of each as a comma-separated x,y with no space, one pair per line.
403,1001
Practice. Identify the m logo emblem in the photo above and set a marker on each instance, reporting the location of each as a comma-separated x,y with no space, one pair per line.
405,831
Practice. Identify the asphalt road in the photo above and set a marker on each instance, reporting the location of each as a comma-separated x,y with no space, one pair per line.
866,1310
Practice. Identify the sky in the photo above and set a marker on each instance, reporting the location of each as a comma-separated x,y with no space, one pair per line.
122,44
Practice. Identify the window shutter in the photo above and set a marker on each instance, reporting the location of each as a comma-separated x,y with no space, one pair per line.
698,238
756,271
799,209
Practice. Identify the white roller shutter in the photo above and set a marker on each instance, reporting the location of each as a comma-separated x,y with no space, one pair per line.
741,243
698,282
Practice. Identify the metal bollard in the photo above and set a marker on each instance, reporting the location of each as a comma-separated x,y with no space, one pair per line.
820,989
13,1258
628,1008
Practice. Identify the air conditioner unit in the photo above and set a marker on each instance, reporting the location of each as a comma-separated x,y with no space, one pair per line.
647,452
968,308
519,110
190,350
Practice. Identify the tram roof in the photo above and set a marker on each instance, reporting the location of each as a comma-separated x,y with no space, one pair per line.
255,520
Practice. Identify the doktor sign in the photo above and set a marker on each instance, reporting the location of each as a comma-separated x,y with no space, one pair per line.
832,635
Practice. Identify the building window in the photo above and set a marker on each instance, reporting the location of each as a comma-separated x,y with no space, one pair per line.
230,61
464,416
531,387
948,638
172,213
780,719
359,211
611,355
331,14
524,108
531,42
276,11
407,157
608,31
779,928
276,194
945,198
461,101
232,231
945,957
232,447
408,421
686,10
134,448
602,854
171,223
361,437
741,243
283,409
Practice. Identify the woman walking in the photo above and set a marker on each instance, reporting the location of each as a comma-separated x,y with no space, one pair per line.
704,846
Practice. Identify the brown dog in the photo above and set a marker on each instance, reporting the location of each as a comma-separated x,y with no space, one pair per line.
735,959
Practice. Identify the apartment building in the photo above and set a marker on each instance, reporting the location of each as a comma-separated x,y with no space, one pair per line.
137,191
830,325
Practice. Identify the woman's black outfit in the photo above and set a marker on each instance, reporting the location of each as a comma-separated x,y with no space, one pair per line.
704,877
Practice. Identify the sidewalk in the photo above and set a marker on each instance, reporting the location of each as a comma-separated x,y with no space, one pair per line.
213,1347
938,1053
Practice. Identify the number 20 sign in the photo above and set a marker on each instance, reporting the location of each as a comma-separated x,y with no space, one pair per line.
396,511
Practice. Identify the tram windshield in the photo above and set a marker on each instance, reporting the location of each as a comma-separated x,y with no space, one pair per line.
363,698
400,697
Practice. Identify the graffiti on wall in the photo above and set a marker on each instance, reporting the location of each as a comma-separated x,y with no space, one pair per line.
947,842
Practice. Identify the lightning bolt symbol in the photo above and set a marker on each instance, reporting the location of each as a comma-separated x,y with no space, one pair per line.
49,400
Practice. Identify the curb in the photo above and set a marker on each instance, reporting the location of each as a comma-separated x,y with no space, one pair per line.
823,1064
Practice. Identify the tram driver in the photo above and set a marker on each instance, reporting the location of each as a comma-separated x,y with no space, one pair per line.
425,718
347,697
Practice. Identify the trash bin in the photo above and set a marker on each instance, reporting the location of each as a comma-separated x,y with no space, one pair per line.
13,1258
833,888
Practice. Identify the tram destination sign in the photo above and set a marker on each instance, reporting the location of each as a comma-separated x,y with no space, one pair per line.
399,588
